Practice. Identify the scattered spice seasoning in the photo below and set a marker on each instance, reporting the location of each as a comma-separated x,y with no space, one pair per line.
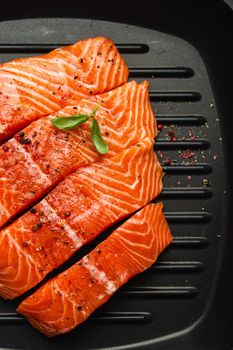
5,148
187,154
25,141
33,210
160,127
98,251
192,137
161,154
67,214
205,182
25,244
170,133
36,226
79,308
38,249
81,60
167,162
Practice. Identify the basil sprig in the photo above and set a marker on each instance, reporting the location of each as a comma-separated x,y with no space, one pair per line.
97,138
70,122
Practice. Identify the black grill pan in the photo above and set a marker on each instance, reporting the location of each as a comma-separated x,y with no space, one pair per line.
185,300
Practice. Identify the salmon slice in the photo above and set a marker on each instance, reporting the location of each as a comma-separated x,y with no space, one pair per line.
70,298
28,171
75,212
37,86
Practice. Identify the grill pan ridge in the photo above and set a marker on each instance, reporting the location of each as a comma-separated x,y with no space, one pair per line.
163,307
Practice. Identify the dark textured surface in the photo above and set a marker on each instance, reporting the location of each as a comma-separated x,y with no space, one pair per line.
171,304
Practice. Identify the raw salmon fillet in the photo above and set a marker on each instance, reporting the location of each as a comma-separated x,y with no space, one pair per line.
28,171
70,298
75,212
37,86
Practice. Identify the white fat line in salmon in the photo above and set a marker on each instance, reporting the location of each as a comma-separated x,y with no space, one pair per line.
100,276
106,80
105,190
66,295
40,107
52,215
59,75
36,94
31,79
31,165
3,210
30,261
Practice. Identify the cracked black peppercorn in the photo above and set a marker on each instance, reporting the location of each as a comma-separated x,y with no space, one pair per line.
36,227
5,148
25,141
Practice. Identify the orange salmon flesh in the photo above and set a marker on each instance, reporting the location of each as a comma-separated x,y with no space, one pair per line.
36,86
57,193
74,213
125,117
70,298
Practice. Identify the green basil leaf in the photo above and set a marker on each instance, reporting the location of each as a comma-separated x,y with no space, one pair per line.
97,138
67,123
95,110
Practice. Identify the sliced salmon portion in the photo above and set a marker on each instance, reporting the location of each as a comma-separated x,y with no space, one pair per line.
70,298
37,86
75,212
28,171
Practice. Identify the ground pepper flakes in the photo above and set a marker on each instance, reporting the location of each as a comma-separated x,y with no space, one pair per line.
187,154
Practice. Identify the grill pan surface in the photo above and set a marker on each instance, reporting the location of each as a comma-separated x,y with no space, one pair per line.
175,304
